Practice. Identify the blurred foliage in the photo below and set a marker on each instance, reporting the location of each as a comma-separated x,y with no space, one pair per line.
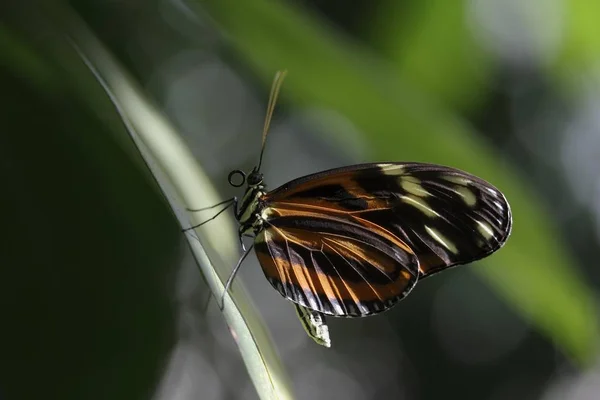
580,49
411,35
88,264
77,241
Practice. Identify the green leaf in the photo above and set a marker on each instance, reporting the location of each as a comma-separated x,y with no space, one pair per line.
186,185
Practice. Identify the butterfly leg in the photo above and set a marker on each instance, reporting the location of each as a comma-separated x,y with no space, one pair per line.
235,269
242,245
233,274
228,203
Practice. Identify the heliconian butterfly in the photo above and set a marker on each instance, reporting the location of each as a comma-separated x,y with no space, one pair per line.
354,241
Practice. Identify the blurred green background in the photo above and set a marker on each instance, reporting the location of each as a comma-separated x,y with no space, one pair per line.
100,297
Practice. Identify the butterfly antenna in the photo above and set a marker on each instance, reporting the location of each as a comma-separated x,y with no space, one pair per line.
277,82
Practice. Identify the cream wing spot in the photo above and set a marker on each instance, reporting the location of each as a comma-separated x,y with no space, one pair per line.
420,204
413,186
467,195
391,169
485,230
438,237
459,180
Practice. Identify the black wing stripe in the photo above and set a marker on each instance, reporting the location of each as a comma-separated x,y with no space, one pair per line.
333,274
338,293
358,256
334,228
330,302
343,292
375,293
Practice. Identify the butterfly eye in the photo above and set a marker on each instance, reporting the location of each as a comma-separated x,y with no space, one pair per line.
232,180
255,178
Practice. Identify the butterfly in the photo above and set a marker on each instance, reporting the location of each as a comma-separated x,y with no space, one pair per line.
354,241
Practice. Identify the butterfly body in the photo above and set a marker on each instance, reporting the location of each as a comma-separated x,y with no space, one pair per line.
249,212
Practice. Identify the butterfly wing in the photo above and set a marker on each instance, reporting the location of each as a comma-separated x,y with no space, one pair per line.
446,216
332,265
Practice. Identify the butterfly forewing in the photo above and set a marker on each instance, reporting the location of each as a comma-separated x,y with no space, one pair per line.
352,241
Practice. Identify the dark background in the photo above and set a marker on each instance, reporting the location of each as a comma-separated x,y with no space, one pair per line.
100,297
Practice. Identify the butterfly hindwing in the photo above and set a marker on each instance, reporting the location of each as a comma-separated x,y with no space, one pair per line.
332,265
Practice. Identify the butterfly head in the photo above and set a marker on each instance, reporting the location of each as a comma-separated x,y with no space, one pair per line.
255,178
237,178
